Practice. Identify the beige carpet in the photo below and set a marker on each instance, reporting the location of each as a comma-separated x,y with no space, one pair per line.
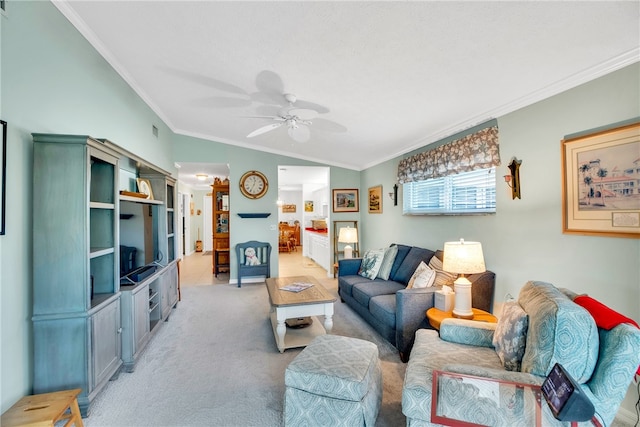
215,363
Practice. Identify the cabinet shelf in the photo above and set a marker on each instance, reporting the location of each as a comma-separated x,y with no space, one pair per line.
140,200
98,252
101,205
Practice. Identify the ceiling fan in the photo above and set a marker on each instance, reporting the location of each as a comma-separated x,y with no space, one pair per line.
297,121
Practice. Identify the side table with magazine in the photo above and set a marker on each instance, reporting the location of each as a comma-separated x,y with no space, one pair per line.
294,298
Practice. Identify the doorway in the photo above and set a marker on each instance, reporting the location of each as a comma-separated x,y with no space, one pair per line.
304,199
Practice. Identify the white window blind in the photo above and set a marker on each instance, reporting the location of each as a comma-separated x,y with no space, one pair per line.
471,192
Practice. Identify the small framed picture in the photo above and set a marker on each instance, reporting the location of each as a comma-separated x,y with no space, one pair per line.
375,199
345,200
308,205
288,208
144,187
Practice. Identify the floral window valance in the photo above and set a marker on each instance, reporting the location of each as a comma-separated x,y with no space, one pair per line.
479,150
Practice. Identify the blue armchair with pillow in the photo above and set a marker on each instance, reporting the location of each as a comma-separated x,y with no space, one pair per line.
392,289
545,326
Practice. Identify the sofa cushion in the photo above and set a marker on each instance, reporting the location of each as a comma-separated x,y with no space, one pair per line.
363,292
403,250
410,263
423,277
387,262
430,352
442,277
371,263
346,283
559,331
383,308
510,336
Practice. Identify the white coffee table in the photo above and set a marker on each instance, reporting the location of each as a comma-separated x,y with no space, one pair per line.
311,302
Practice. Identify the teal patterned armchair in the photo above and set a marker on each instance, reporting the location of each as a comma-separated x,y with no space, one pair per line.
523,348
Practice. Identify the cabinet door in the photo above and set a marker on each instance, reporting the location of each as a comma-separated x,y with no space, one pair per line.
105,343
140,318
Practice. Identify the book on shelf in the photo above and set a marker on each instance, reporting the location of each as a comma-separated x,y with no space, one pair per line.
297,286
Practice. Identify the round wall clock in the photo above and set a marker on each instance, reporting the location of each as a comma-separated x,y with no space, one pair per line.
254,184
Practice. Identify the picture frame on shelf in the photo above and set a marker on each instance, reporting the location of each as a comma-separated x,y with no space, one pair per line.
3,178
600,196
375,199
144,187
345,200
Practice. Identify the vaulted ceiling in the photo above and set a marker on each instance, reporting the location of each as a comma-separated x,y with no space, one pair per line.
383,77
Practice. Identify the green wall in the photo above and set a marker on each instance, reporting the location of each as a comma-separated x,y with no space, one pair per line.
524,240
52,80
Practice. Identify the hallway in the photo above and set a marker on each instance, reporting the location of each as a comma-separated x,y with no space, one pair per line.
195,269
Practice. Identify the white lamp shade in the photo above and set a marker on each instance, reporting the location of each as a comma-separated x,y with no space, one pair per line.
348,235
463,257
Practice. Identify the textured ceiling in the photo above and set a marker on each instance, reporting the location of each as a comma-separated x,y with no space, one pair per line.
386,77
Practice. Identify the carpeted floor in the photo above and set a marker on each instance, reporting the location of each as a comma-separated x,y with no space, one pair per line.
215,363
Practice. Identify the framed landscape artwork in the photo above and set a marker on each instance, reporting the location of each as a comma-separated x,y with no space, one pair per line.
288,208
375,199
345,200
601,183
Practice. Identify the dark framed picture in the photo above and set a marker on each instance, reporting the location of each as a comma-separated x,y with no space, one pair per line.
600,193
375,199
3,178
345,200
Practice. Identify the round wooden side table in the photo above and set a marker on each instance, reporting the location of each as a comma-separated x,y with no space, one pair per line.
436,316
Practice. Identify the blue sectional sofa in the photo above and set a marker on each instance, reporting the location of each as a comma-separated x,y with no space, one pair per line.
394,311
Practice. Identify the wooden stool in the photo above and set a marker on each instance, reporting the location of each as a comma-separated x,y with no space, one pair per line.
40,410
219,266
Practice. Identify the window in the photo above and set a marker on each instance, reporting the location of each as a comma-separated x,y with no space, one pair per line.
464,193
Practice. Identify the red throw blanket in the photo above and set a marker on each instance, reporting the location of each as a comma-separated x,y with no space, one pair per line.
605,317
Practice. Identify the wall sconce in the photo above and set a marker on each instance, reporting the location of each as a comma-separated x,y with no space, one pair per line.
393,195
513,179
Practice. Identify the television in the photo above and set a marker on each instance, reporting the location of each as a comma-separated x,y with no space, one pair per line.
138,238
565,397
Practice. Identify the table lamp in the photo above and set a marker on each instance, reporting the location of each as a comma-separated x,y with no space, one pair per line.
348,235
463,258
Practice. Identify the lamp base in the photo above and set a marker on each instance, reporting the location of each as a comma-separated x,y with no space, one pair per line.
462,308
348,252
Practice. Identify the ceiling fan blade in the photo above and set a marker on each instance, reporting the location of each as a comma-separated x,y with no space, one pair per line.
299,133
311,106
276,118
328,125
303,113
264,129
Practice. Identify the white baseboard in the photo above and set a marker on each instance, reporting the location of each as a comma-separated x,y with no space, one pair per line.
253,279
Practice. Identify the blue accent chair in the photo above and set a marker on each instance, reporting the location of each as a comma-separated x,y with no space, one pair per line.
256,262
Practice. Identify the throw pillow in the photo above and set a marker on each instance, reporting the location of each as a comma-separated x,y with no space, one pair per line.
510,336
371,263
423,277
387,262
442,277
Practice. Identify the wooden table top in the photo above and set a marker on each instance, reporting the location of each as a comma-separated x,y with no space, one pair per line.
314,295
436,316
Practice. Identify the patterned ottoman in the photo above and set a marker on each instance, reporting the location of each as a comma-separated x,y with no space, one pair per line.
334,381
